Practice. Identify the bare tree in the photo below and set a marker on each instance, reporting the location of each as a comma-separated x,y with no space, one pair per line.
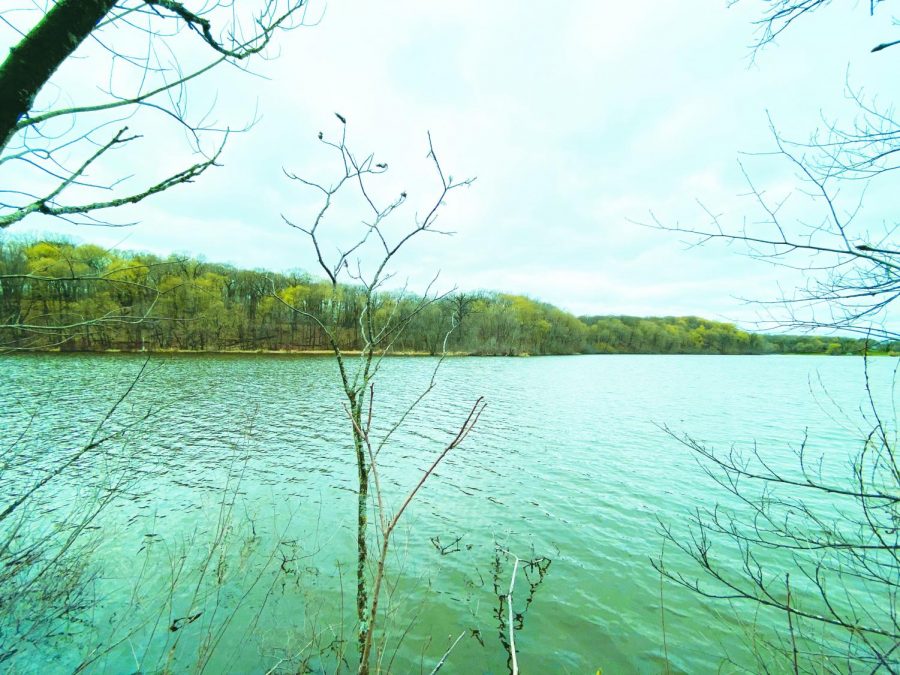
852,272
780,15
817,543
814,548
381,320
850,259
50,152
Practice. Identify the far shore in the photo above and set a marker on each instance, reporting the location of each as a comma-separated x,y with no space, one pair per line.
356,352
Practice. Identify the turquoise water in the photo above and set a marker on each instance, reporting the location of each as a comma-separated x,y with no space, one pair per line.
568,462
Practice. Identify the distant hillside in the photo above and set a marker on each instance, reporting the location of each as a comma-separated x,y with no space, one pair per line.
693,335
54,294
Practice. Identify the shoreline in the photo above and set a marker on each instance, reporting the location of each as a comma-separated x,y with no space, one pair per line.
356,352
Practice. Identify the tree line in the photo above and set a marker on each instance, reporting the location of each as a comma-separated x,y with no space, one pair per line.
55,294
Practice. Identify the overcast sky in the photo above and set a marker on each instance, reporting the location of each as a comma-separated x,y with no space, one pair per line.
578,118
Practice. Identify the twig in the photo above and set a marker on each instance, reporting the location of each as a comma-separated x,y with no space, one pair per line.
443,660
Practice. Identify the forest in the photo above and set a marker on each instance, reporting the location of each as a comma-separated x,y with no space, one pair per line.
228,471
55,294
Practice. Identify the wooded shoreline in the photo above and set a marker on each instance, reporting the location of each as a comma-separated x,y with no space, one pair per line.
56,295
411,354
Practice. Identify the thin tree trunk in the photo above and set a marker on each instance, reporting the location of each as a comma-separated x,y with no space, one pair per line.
362,596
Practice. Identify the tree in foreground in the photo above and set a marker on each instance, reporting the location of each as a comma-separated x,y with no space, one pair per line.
151,52
816,539
379,321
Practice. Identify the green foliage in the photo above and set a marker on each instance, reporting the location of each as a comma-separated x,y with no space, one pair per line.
693,335
55,293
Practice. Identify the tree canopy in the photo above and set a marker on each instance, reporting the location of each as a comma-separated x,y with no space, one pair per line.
56,294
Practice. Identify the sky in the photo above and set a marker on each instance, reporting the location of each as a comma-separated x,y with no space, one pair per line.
581,122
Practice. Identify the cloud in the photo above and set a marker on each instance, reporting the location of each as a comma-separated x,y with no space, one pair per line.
577,119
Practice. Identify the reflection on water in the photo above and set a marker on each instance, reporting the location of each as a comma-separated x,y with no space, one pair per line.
241,466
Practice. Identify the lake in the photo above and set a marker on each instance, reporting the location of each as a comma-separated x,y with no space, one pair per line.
568,463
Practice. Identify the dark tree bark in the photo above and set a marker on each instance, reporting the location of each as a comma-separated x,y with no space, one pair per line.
32,62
